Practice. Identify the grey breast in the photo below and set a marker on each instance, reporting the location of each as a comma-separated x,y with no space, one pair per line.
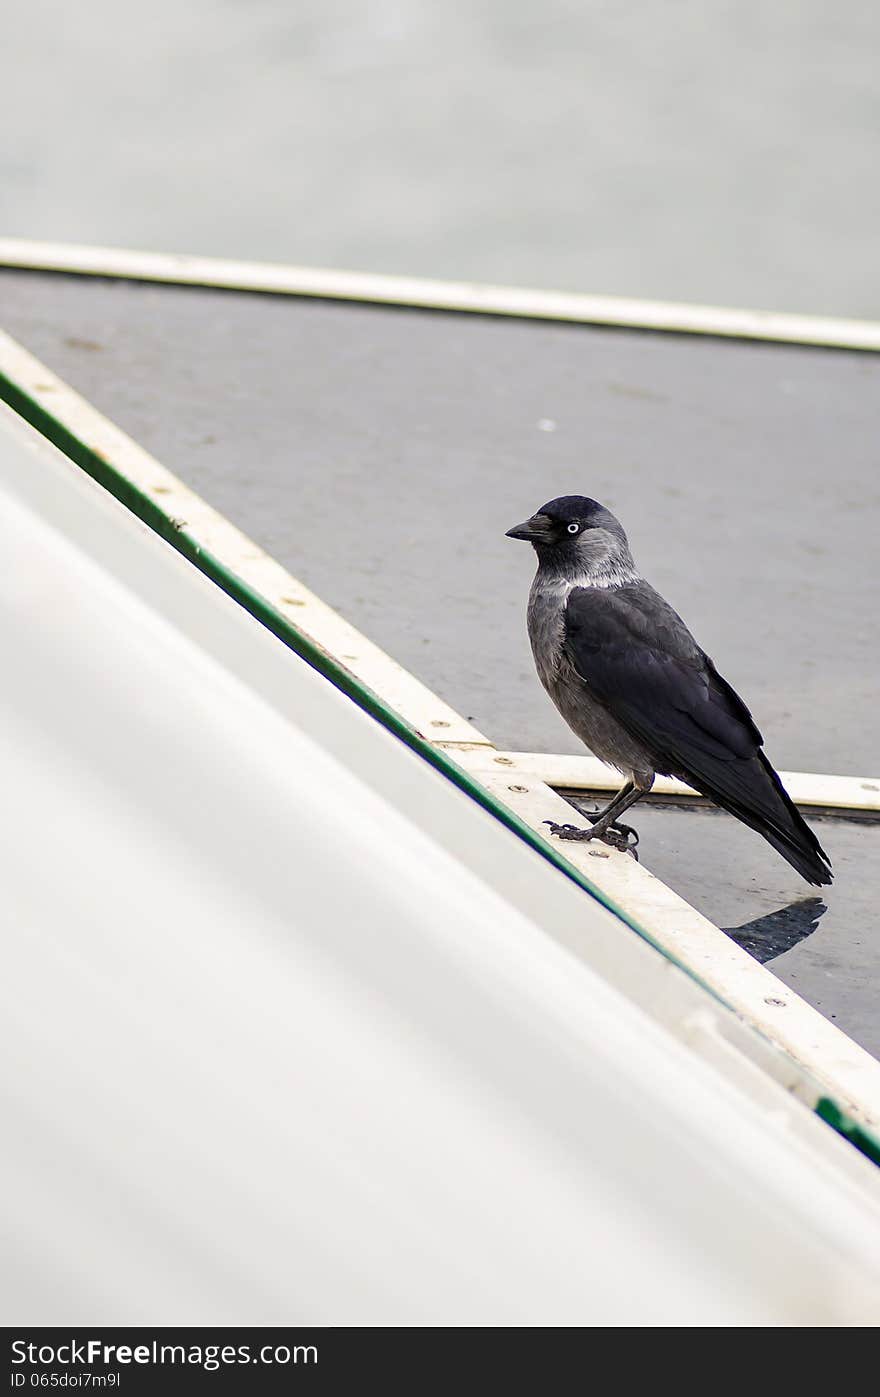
586,717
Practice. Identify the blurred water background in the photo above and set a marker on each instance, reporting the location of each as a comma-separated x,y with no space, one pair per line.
687,150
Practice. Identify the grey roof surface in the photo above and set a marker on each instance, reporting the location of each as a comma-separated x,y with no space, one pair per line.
380,454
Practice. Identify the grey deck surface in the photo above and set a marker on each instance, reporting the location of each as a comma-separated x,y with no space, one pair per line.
380,454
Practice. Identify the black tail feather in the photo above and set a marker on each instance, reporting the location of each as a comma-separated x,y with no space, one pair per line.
752,791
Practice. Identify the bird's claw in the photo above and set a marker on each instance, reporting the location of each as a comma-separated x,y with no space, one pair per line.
621,837
569,831
630,836
618,837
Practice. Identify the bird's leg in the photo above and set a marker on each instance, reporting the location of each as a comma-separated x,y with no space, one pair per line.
605,826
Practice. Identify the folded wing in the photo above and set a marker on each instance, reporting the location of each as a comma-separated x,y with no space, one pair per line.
639,660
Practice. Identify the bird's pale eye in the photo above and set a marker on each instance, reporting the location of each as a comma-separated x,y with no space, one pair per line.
573,528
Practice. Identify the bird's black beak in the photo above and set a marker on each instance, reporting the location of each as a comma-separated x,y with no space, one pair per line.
538,529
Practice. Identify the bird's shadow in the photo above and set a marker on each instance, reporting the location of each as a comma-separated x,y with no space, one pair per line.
767,937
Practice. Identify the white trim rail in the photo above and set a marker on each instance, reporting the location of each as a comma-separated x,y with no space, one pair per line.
327,283
857,794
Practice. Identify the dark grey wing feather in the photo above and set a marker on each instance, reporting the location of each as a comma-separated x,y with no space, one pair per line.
639,660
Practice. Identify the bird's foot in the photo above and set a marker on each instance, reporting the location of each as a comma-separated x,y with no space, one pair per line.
621,837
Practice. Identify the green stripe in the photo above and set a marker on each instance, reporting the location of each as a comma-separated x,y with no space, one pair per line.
153,515
859,1135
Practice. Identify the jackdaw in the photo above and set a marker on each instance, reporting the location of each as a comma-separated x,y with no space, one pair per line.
628,677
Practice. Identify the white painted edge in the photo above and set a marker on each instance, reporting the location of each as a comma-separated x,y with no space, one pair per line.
279,279
817,1047
855,793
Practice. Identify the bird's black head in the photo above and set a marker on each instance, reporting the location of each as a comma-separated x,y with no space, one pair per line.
563,526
